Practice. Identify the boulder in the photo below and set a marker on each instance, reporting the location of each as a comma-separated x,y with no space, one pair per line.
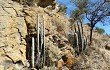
68,59
60,64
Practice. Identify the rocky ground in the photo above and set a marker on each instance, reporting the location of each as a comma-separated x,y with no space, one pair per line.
17,22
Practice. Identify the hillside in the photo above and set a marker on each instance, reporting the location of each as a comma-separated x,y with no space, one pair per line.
18,26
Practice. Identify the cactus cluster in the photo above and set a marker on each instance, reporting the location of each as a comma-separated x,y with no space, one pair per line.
37,50
40,41
80,41
39,53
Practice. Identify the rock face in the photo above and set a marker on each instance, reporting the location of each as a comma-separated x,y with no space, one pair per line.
97,55
17,22
13,30
53,22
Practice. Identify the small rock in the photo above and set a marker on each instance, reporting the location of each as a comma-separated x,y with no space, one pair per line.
68,59
60,64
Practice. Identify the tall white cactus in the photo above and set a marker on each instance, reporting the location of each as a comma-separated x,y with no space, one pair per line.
40,48
37,39
43,39
77,41
33,51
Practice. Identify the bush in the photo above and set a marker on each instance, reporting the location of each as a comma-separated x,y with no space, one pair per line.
100,30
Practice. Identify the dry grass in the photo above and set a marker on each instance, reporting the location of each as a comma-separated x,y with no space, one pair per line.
61,24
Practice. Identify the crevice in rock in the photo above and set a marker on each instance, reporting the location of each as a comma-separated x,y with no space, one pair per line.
5,10
10,58
10,7
20,51
21,37
26,23
15,11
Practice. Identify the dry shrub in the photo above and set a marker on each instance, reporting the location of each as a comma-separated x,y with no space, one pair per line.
61,24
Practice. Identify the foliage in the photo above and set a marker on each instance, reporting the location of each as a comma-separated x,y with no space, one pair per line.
100,30
62,8
77,14
97,12
81,5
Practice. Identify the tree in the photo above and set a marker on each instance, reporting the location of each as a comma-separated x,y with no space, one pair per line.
77,14
100,30
95,11
62,8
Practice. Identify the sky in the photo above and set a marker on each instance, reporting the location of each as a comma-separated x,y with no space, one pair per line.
70,6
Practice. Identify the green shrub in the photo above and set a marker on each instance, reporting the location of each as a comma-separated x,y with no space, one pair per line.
100,30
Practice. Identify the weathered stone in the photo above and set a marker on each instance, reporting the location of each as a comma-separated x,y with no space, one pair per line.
10,68
60,64
3,12
1,67
13,30
2,44
68,59
4,21
15,21
6,3
18,55
18,9
11,11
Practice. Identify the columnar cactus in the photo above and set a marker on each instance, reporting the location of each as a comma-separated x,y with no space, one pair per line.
80,41
43,41
40,46
33,50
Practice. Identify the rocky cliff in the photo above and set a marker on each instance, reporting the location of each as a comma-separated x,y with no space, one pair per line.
17,25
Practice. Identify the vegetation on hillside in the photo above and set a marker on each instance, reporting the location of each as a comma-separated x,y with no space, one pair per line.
94,12
100,30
